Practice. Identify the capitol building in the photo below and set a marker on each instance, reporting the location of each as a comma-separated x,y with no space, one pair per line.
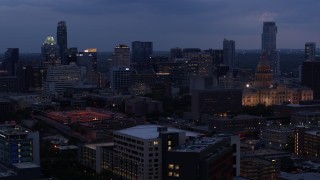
265,91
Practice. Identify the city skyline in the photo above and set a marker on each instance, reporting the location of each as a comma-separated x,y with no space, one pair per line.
189,23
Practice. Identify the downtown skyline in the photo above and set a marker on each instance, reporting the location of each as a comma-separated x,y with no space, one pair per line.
189,23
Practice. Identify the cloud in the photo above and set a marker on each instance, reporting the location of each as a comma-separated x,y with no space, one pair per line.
268,16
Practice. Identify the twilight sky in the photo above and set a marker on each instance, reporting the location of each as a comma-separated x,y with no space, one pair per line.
168,23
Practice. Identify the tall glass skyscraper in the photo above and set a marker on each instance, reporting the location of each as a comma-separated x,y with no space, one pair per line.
229,53
269,45
141,52
49,52
62,40
11,57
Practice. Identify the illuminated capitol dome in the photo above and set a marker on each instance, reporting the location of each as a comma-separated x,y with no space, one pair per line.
263,76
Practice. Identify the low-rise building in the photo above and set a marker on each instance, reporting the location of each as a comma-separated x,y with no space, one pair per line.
259,169
276,136
306,142
215,102
306,118
276,95
19,151
97,156
238,123
143,106
203,158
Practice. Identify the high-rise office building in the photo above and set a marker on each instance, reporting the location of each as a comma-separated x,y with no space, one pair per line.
88,58
121,79
72,55
141,52
11,57
62,40
269,45
217,56
121,57
60,78
229,53
49,52
310,51
175,53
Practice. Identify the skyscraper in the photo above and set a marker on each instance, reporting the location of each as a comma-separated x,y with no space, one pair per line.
310,51
121,57
141,52
229,53
175,53
269,46
11,57
49,52
62,40
88,58
72,55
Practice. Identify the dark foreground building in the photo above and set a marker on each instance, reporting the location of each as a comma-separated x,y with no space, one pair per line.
216,102
207,158
310,76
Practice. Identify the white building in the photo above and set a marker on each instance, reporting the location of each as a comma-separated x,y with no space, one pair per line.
60,78
138,150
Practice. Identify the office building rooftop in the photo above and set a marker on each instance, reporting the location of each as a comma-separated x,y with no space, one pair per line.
198,145
151,131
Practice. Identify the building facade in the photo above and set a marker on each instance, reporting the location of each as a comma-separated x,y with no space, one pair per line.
200,159
60,78
140,151
310,51
11,57
62,40
229,53
18,146
50,52
306,118
269,45
215,102
141,52
310,76
120,57
306,142
264,91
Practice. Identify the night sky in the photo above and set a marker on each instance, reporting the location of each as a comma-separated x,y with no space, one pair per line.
168,23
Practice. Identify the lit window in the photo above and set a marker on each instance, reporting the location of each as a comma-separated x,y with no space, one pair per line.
169,143
169,148
170,174
177,167
176,174
170,166
155,143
